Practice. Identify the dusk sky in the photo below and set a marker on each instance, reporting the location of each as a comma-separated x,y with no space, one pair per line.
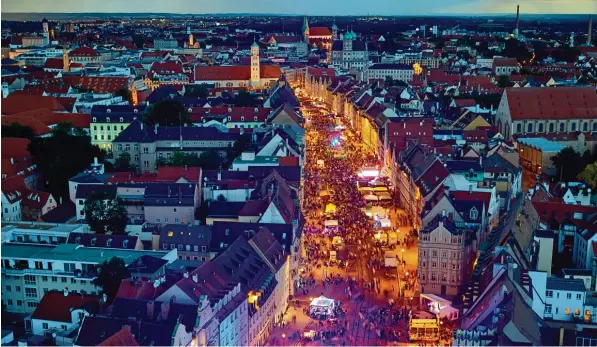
310,7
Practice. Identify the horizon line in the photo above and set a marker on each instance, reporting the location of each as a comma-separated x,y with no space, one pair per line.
314,15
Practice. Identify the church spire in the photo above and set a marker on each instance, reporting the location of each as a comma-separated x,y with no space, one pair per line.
306,30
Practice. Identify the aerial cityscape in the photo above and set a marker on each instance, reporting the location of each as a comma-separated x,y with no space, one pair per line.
311,173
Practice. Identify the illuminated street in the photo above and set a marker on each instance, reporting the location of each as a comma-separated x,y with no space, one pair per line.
357,249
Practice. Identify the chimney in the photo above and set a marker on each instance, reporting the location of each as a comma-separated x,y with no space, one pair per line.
150,309
195,278
105,297
590,34
141,125
12,160
65,291
95,163
219,175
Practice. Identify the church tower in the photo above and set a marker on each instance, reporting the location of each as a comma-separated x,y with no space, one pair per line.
306,30
334,31
65,59
45,27
255,73
190,34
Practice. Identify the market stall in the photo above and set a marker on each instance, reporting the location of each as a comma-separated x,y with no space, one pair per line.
322,306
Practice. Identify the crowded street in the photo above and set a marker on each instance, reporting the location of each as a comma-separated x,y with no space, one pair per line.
358,271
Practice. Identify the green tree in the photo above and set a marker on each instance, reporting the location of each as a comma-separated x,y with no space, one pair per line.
568,163
589,175
221,197
244,99
17,130
196,91
167,113
105,214
210,160
61,156
503,81
241,144
111,273
126,94
123,163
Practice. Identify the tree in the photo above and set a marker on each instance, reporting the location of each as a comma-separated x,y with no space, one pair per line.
210,160
111,273
244,99
123,163
568,163
589,175
126,94
105,214
241,144
17,130
167,113
503,81
196,91
221,197
61,156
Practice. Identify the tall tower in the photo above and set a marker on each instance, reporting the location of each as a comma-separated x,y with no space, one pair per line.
306,30
334,30
255,74
590,34
190,34
517,21
572,39
45,27
65,59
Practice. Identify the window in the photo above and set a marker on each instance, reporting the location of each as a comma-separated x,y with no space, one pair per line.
64,327
166,219
227,232
551,127
567,311
548,309
549,294
518,128
54,279
578,296
18,289
530,128
29,280
63,279
31,292
165,246
109,243
573,127
568,295
8,288
19,303
180,247
176,220
203,248
45,326
73,281
170,233
196,248
561,126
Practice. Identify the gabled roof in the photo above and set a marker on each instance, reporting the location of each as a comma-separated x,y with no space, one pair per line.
16,103
14,188
56,307
54,63
254,208
124,337
83,52
552,103
99,84
319,31
136,132
234,73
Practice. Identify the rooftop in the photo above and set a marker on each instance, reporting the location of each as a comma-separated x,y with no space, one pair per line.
541,144
72,252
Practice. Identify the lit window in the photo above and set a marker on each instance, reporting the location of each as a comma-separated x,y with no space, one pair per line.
170,233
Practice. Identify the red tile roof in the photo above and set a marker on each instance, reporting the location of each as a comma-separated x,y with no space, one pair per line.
169,68
313,71
54,306
465,102
124,337
99,84
254,208
139,289
54,63
552,103
38,127
16,157
49,118
16,103
505,62
174,173
288,161
234,73
319,31
13,188
36,199
83,52
14,147
468,196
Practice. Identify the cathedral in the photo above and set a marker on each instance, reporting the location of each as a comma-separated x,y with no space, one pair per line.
318,37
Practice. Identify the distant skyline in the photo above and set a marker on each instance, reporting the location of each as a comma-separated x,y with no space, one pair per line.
308,7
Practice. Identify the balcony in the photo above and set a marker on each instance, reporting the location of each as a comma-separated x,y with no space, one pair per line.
43,272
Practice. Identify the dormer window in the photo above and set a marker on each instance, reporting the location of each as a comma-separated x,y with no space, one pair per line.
109,243
229,118
255,118
121,119
108,119
242,118
125,243
94,119
474,213
93,241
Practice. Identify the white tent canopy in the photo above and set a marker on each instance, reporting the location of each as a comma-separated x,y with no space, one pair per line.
370,197
322,305
331,223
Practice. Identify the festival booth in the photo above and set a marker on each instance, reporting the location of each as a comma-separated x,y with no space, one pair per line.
438,305
330,225
322,306
370,198
330,208
376,211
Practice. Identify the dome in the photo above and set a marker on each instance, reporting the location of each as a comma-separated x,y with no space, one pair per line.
349,35
254,44
334,26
